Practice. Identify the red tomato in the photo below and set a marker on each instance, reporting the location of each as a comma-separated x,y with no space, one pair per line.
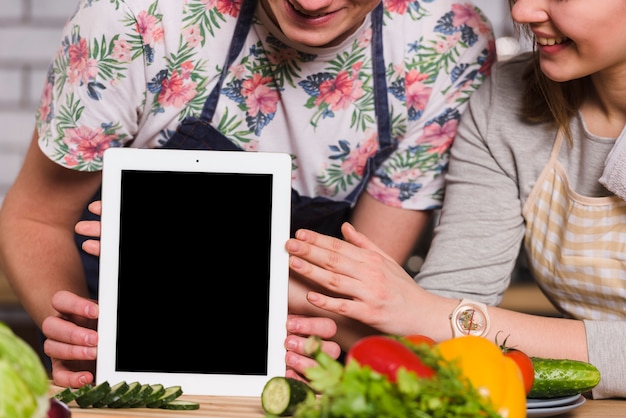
524,364
386,355
419,339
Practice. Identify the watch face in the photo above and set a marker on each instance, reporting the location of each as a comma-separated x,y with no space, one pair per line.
470,321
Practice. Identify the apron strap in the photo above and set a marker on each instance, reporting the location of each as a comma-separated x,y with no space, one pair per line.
244,21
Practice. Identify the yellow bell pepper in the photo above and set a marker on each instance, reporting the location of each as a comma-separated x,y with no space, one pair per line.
495,376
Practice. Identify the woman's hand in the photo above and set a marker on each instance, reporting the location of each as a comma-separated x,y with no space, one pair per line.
71,339
91,229
299,328
360,281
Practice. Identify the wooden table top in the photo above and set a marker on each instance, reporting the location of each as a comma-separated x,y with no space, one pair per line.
236,407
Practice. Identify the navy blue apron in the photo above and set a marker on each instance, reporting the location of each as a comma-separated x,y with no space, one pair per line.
317,213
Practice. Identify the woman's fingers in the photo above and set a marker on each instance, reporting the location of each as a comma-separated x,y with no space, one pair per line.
299,329
308,325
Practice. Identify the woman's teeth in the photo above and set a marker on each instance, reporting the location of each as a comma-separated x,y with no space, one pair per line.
550,41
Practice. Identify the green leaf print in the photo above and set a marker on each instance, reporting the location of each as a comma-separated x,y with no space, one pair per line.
229,128
206,19
68,115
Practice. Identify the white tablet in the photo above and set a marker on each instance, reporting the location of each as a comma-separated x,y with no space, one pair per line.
193,270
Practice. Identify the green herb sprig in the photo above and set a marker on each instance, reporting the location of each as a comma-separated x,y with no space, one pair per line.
352,391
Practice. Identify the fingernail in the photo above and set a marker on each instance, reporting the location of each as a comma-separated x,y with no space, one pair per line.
296,262
291,344
293,245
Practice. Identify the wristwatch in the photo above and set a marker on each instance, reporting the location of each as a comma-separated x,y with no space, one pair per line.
469,318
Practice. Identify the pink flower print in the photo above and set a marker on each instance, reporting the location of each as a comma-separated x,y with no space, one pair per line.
70,160
461,92
157,34
397,6
229,7
465,14
185,69
87,143
390,196
447,43
366,38
209,4
340,92
356,161
259,97
192,36
253,145
146,27
238,71
417,94
398,70
174,91
45,105
81,68
122,51
440,137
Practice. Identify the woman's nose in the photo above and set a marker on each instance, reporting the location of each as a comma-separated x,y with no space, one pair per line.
530,11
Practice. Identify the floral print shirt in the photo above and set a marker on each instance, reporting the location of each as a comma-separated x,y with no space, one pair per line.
128,71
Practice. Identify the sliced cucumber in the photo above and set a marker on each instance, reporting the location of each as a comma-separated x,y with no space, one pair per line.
170,394
157,391
125,395
281,395
181,405
66,395
140,398
116,392
122,401
77,393
558,377
93,395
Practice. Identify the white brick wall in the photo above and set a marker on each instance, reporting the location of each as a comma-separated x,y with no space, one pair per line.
29,34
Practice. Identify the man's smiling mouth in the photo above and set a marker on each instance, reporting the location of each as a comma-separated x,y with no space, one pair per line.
551,41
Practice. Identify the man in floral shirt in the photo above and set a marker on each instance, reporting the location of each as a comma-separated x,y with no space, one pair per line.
129,73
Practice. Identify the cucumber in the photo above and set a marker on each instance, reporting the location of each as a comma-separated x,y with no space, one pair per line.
281,395
121,402
180,405
114,394
77,393
125,395
93,395
157,391
561,377
66,395
140,398
171,393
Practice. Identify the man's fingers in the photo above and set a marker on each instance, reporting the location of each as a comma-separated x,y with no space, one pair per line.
68,303
88,228
59,329
63,376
